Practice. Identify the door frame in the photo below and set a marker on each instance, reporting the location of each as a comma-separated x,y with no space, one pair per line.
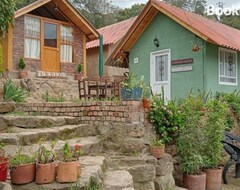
152,67
43,20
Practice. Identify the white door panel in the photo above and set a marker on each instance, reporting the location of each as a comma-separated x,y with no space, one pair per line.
160,73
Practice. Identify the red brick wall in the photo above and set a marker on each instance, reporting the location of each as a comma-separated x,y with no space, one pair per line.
35,65
88,112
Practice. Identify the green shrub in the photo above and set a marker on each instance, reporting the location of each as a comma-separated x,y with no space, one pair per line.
79,68
49,98
190,148
14,93
19,158
167,118
190,142
21,63
214,127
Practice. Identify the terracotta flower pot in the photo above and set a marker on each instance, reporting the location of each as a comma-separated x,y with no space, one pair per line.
78,77
45,173
146,103
23,74
195,48
213,179
23,174
157,152
68,172
194,182
3,169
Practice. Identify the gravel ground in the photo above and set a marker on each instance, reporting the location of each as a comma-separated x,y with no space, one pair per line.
233,183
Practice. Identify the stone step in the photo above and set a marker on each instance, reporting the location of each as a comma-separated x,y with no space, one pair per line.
31,136
124,162
179,188
36,121
91,170
118,180
90,146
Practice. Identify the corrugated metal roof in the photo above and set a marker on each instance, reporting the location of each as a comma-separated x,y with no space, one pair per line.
112,33
209,30
216,32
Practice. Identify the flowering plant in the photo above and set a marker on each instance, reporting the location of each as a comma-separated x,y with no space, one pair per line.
45,155
69,153
167,118
157,142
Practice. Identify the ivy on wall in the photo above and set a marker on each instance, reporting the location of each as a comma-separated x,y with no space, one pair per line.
7,9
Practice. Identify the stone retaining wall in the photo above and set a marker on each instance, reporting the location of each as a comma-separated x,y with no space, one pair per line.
90,112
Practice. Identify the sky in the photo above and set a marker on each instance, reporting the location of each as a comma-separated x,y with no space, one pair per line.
129,3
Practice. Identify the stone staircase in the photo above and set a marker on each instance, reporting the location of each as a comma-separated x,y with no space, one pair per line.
111,170
28,131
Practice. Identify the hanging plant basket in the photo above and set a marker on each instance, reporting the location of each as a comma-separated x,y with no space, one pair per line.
195,48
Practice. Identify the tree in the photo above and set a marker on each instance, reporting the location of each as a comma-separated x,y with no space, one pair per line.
22,3
129,12
7,9
99,12
195,6
231,20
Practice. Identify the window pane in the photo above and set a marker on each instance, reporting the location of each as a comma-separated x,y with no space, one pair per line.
161,68
66,34
32,48
32,27
66,53
228,67
50,35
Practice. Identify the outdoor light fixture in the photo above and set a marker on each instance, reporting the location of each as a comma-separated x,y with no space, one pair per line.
156,42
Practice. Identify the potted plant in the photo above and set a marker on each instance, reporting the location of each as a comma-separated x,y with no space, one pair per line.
79,75
157,148
45,167
132,88
190,151
3,164
195,46
191,142
68,170
22,168
22,65
146,97
215,117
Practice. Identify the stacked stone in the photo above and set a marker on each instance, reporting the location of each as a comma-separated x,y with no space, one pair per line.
164,173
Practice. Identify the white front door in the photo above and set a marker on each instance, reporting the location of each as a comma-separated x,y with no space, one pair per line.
160,74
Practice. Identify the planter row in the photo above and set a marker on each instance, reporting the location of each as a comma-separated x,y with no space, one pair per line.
210,179
62,172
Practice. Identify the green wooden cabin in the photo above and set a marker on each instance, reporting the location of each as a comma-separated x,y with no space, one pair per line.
161,46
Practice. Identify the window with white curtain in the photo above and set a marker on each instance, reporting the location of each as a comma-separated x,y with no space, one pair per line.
227,67
67,44
32,37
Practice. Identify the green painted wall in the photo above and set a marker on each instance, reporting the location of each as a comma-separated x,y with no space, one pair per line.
172,36
212,70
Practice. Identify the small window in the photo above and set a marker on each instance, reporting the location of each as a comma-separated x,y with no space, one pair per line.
67,44
32,38
227,67
161,68
50,35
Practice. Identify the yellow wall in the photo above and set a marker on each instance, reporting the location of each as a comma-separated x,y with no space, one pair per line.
7,51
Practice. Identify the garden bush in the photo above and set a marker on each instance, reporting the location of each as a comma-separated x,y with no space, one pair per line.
14,93
167,118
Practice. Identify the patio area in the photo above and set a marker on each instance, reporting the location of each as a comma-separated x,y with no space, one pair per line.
233,183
